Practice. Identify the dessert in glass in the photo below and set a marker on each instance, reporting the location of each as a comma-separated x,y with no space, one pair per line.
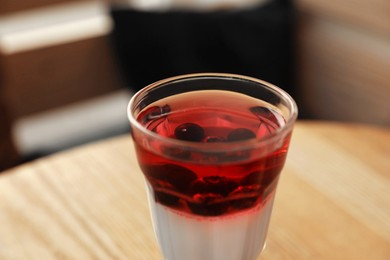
211,147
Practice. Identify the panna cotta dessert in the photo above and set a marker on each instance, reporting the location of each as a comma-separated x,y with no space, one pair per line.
211,171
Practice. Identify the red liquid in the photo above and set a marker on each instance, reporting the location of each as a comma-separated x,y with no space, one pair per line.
211,184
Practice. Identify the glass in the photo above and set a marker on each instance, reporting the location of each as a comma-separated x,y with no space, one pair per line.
211,147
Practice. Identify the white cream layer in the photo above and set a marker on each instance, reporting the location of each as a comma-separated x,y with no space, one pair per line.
184,236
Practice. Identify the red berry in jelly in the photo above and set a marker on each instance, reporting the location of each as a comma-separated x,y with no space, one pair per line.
208,204
245,196
213,184
177,176
263,113
189,132
210,194
260,178
269,118
240,134
165,198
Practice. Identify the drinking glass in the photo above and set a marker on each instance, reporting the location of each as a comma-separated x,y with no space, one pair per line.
211,147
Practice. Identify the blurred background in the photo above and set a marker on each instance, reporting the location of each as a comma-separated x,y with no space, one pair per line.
69,67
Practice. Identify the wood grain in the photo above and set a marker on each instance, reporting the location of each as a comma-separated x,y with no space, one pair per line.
90,203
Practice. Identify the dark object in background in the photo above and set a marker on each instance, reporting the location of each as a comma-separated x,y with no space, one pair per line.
255,42
8,154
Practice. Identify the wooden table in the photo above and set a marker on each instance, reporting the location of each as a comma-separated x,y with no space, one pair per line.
332,202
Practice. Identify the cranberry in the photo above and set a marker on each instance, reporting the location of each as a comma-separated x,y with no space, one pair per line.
213,184
240,134
264,113
266,180
166,199
177,176
260,178
189,132
209,204
245,196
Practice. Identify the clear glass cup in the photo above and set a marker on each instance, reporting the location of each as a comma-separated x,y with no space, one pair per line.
211,147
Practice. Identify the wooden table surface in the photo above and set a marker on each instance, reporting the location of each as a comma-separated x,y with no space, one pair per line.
332,201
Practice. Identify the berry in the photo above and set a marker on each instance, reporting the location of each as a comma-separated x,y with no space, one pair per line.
263,112
177,176
209,204
245,196
260,178
166,199
189,132
240,134
213,184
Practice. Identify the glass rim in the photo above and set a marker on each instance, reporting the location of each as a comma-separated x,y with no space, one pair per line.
217,146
